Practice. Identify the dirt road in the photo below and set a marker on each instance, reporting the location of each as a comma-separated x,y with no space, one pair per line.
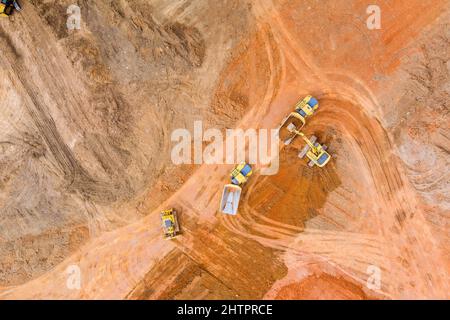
303,233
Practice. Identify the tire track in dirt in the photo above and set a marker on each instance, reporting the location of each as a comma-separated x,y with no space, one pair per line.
383,172
63,156
346,111
336,84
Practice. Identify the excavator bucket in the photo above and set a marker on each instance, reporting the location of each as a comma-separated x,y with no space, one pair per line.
230,199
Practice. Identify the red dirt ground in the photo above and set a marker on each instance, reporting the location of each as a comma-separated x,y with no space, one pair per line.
303,233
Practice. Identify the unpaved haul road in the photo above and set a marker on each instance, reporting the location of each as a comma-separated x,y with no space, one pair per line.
359,211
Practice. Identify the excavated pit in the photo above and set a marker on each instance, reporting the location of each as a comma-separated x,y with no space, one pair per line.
85,143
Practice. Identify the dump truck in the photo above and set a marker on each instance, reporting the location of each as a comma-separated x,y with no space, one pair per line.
314,151
7,7
231,193
170,224
303,109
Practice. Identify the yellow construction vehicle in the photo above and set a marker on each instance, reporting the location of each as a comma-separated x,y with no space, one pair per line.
170,223
315,152
240,174
231,194
303,109
7,7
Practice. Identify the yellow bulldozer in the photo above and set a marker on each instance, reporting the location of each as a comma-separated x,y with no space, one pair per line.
170,224
7,7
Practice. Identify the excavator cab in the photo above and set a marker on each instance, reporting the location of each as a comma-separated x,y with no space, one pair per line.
7,7
231,194
303,109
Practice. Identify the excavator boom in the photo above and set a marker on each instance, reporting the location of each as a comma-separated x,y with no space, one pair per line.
314,149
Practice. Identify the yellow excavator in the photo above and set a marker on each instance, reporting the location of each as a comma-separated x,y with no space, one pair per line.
7,7
315,152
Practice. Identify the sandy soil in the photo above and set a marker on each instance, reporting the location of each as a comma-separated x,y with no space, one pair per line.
85,141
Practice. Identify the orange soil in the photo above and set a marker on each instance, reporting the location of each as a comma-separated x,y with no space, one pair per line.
360,210
321,287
